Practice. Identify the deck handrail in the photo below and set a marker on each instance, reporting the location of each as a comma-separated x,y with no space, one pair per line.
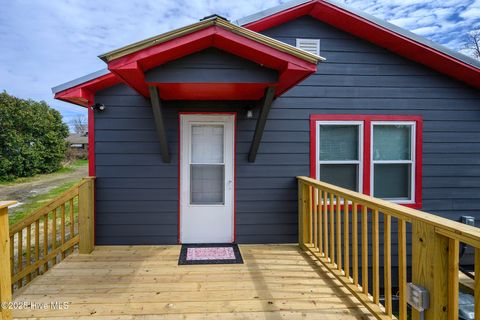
44,238
325,211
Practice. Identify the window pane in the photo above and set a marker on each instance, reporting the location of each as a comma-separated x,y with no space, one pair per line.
392,142
207,184
342,175
207,144
338,142
392,181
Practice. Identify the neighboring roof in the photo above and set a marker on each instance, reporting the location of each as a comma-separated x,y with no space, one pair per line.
203,24
77,138
375,30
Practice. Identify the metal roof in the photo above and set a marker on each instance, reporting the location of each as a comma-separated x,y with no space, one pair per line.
76,82
268,12
203,24
383,23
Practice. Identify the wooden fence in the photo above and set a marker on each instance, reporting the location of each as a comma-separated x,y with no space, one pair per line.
44,238
330,216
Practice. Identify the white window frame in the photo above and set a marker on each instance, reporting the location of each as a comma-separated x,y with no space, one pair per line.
191,162
318,162
412,161
316,41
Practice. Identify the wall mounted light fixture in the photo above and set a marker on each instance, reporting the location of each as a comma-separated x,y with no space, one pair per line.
98,107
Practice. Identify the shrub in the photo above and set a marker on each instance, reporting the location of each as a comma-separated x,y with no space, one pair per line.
32,138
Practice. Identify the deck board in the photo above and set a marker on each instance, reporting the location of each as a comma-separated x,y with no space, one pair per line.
145,282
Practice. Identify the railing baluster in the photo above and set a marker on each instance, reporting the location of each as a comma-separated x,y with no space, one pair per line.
62,230
319,217
54,234
338,241
325,225
355,243
453,263
387,262
29,251
19,255
346,240
45,241
332,230
402,269
315,220
37,243
12,254
72,221
477,284
375,258
365,249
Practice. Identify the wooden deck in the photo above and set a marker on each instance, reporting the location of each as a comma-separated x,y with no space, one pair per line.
145,282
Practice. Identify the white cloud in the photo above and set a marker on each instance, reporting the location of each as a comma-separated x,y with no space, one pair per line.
45,43
425,31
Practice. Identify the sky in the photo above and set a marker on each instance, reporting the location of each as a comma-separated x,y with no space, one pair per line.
46,43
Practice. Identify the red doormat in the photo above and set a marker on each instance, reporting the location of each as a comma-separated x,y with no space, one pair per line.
210,254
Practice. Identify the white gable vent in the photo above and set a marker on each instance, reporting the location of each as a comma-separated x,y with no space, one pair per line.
309,45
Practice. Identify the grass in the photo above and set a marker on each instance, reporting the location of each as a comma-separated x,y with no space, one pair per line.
65,169
37,202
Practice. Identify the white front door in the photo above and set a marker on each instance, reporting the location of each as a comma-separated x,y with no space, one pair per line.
206,178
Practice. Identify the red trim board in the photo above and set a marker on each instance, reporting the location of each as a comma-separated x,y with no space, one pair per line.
83,94
234,168
367,145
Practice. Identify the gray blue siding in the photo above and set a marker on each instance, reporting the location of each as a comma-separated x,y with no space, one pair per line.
211,65
137,194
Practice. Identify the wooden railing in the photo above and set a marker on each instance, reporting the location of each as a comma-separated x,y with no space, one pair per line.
342,230
44,238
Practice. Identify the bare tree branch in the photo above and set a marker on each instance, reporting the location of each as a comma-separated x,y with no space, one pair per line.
473,42
80,124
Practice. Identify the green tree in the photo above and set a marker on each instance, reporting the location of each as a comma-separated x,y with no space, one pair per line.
32,138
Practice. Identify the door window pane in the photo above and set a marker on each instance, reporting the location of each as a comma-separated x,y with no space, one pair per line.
207,184
392,181
342,175
207,144
392,142
338,142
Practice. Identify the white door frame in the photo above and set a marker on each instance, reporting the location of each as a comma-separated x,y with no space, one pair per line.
192,216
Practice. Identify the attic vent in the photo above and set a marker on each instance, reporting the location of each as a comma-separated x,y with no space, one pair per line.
309,45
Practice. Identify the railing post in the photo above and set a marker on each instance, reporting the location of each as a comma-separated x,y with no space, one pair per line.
302,215
430,268
86,216
5,274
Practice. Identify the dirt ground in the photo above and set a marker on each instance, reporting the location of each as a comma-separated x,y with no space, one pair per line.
22,191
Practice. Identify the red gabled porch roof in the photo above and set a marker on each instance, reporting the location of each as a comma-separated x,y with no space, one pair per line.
128,64
376,31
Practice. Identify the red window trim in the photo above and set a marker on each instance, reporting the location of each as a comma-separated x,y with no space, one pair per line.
367,121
